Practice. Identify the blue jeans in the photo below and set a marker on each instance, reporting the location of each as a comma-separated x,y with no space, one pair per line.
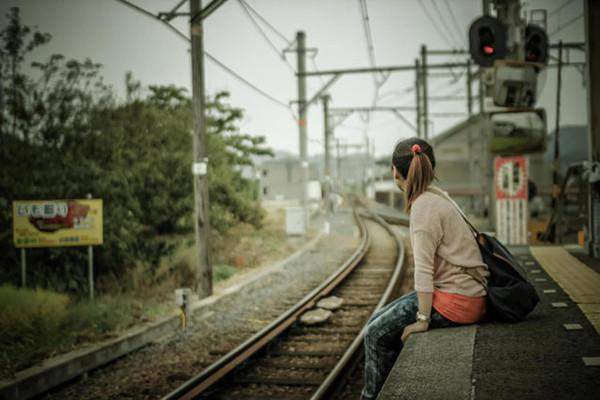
382,339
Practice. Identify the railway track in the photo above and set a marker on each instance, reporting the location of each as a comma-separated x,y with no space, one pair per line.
287,360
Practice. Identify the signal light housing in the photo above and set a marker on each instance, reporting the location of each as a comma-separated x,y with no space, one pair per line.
536,44
487,41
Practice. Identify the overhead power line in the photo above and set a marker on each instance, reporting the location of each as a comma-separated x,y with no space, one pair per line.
449,31
260,30
277,32
267,23
208,55
461,34
566,24
559,8
435,24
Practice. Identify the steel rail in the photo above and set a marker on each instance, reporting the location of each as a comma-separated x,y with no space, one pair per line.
218,370
344,366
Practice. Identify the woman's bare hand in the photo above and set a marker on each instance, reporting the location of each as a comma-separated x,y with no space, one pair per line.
414,328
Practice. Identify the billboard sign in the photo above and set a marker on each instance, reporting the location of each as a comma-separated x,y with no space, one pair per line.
57,223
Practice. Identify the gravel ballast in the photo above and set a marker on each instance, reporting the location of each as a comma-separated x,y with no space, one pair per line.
162,366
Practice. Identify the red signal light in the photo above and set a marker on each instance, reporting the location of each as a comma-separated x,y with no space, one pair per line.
488,50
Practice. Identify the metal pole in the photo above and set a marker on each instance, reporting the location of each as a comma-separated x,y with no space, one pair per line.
556,172
425,122
486,7
200,167
339,165
91,271
302,113
418,95
326,159
90,264
592,35
23,268
367,164
481,93
469,89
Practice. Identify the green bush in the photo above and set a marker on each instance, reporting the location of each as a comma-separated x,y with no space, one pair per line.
222,272
30,325
75,138
98,319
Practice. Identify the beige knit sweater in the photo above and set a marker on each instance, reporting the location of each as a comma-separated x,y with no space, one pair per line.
443,245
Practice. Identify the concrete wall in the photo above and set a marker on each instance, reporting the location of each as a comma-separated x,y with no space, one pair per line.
465,166
281,179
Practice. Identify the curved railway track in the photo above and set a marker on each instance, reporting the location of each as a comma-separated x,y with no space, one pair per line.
286,360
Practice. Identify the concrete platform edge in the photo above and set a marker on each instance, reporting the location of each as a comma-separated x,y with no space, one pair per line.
433,365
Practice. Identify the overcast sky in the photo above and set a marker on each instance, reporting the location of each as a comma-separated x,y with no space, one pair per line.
123,40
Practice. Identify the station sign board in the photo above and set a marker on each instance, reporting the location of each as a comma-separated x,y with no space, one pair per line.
511,187
57,223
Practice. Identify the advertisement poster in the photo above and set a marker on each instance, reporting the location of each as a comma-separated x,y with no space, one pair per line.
511,183
57,223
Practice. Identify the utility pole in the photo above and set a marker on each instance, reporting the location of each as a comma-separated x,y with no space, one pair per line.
367,164
556,169
481,92
425,121
200,166
339,165
326,160
469,89
418,96
302,111
592,35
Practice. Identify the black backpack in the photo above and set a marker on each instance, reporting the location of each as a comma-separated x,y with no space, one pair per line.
510,297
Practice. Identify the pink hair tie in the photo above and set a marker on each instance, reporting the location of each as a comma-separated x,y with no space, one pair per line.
416,148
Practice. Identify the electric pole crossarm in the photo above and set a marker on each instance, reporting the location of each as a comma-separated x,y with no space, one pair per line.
370,109
396,110
447,52
343,117
167,16
406,121
206,11
320,92
396,68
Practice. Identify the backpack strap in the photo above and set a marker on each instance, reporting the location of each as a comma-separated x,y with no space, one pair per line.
444,195
469,271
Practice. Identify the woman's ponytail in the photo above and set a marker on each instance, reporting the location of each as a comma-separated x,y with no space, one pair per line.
414,160
420,175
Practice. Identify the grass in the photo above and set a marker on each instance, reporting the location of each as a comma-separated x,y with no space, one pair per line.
36,324
222,272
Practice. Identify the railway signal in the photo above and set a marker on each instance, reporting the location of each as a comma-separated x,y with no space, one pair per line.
536,44
487,41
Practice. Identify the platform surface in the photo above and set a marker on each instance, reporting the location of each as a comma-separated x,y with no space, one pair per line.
579,281
435,365
543,357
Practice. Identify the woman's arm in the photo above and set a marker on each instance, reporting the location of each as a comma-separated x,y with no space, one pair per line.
425,300
426,234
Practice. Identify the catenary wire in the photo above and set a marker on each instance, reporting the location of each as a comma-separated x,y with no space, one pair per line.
559,8
272,45
566,25
445,25
267,23
435,25
456,25
209,56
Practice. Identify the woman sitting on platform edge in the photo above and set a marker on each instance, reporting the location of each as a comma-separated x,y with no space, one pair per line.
449,272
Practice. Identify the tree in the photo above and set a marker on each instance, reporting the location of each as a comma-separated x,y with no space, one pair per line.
69,137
